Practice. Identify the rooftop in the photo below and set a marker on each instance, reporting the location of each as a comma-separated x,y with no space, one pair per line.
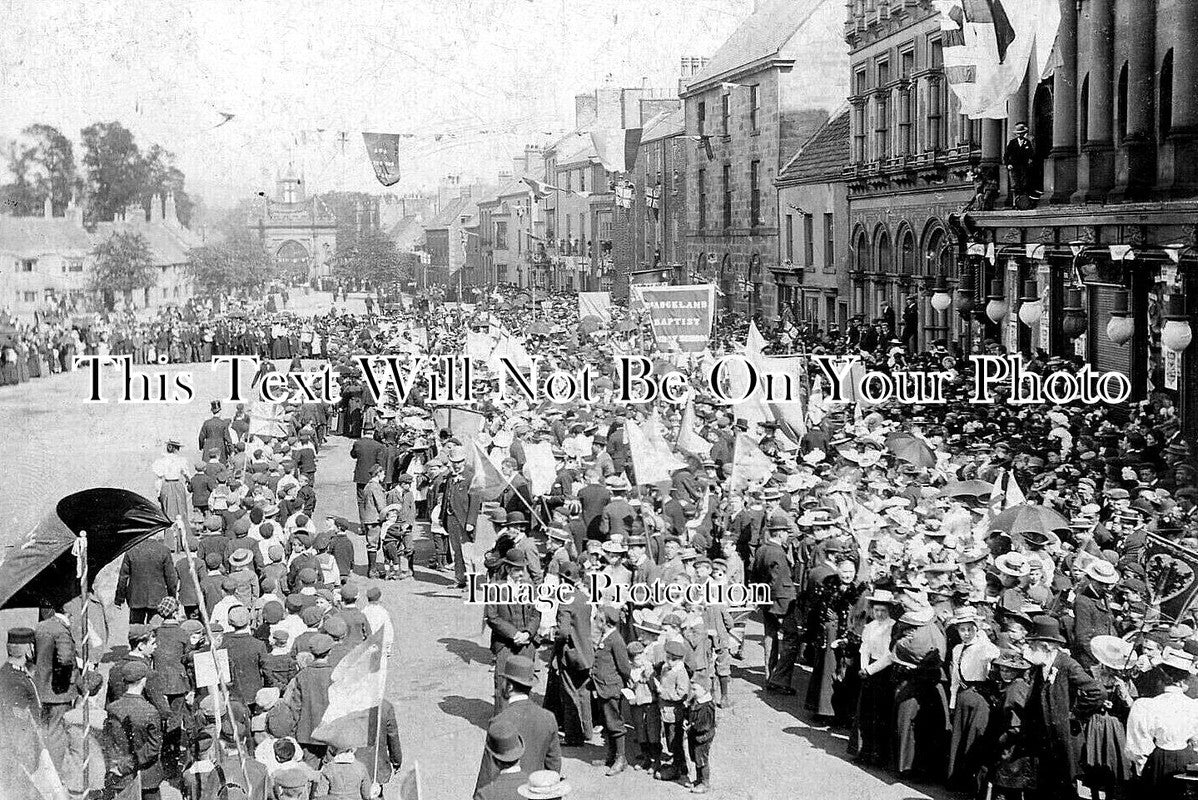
822,158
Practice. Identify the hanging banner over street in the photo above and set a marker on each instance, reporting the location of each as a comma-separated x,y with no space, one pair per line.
383,150
595,304
681,316
987,47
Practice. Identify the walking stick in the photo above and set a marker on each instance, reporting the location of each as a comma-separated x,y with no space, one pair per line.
378,735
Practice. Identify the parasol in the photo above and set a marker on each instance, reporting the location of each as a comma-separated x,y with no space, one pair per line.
972,489
43,566
910,449
539,328
623,326
1028,518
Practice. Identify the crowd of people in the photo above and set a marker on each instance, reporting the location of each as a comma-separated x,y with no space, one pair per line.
983,596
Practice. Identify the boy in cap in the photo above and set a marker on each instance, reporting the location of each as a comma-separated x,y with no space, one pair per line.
132,737
344,777
673,687
308,696
700,732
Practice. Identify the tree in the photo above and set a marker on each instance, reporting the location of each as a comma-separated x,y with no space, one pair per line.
372,257
123,263
228,266
115,170
160,176
42,163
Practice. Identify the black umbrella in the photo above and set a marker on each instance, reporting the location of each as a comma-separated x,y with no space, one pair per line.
42,568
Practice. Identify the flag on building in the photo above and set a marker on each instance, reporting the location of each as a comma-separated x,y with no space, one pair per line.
540,188
653,200
487,481
383,149
988,45
355,691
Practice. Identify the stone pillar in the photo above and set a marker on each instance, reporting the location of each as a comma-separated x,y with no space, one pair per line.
1096,174
1135,162
1060,172
1181,147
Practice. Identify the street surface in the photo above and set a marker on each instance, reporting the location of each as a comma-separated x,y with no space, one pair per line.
440,679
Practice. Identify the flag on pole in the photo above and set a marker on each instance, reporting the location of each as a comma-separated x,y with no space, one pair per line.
409,788
540,188
487,481
689,440
355,689
649,462
1014,495
45,778
749,464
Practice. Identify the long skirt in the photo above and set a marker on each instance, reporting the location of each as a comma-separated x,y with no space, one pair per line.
871,736
1157,778
819,690
175,504
921,726
966,754
1104,752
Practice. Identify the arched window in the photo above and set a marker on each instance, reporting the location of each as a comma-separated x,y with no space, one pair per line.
1165,103
907,252
885,261
861,253
938,253
1042,118
1083,111
1121,106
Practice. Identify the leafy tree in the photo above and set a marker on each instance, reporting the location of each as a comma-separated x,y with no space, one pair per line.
160,176
42,163
115,170
229,266
123,263
372,257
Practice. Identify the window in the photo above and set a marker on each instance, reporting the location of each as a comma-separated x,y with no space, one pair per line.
569,180
883,72
829,242
936,53
755,193
907,63
569,232
702,181
727,196
859,131
725,111
935,119
1083,111
26,265
501,235
906,113
702,114
73,265
790,238
809,241
754,107
882,132
860,83
582,179
30,297
1165,104
165,293
1121,105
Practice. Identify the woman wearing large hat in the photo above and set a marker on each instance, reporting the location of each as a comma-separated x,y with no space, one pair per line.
1161,729
870,737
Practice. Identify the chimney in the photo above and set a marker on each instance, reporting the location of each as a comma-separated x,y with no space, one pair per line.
170,213
156,209
47,208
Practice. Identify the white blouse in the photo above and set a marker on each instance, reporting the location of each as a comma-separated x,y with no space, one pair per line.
1168,721
875,646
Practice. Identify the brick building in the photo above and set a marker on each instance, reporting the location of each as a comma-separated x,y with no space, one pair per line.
761,96
910,156
813,204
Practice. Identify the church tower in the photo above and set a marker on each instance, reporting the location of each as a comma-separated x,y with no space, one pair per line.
289,188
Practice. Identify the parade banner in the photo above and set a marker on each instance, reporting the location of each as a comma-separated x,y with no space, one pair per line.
383,149
478,346
681,317
649,463
268,419
539,467
750,465
1172,576
595,304
689,440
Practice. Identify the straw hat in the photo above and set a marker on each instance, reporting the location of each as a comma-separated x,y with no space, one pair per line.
1113,652
544,783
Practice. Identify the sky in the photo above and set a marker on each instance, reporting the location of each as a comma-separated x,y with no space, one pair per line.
473,80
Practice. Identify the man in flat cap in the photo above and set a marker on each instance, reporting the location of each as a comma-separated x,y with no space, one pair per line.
132,738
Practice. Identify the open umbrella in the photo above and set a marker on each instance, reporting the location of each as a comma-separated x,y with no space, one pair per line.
969,490
43,567
910,449
1027,518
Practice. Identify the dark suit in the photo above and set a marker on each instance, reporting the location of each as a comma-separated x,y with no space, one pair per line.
147,575
390,754
245,663
568,692
459,508
214,435
770,565
504,787
309,699
154,691
132,743
505,621
538,729
54,664
1052,710
366,452
517,496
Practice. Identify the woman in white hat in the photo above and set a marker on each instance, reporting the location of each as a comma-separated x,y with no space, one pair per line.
870,737
1161,730
1104,759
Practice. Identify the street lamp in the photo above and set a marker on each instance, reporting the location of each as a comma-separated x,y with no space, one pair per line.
942,299
1176,335
1030,309
1073,323
1122,326
998,307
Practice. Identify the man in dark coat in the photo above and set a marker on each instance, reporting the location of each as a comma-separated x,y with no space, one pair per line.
536,726
1020,160
367,453
593,497
513,625
142,646
506,748
308,697
245,655
20,713
214,435
386,757
1063,697
770,565
517,494
147,575
55,669
132,738
459,513
610,674
569,692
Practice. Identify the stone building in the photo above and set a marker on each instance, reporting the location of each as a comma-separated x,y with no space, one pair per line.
1109,251
911,153
813,204
300,232
767,89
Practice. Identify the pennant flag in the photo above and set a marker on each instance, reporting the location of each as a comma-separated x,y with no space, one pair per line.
616,148
1172,576
45,779
487,481
540,188
383,149
689,440
749,464
653,429
988,45
1014,495
355,690
595,304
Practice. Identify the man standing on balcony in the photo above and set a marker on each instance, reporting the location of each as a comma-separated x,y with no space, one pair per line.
1020,160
